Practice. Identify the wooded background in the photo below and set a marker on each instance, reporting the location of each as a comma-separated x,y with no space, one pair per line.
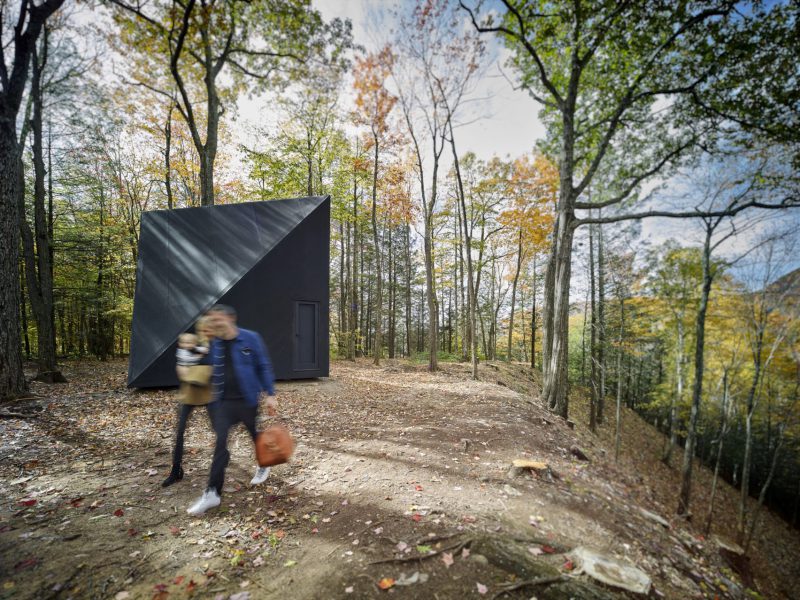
686,110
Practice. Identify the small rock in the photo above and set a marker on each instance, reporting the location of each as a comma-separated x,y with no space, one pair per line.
479,558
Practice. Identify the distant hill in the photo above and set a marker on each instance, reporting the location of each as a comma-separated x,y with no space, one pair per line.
788,283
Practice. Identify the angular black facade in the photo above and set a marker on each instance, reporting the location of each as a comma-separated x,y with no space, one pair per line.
269,260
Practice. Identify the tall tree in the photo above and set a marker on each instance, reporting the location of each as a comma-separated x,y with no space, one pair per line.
37,244
14,71
531,188
213,50
676,276
374,103
598,70
437,62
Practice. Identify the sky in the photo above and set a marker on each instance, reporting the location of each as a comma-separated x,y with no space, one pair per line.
509,123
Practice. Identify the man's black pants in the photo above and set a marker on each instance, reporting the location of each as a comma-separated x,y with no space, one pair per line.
225,414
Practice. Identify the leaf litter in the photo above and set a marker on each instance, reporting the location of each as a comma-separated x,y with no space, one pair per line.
363,435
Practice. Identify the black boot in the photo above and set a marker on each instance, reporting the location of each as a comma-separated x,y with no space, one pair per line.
175,475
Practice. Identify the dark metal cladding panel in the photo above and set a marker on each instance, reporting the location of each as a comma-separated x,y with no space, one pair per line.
190,259
151,290
296,269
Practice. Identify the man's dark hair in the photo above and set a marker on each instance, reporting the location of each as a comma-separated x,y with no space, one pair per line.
224,309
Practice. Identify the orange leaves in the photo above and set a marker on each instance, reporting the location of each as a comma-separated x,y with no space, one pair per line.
386,583
373,101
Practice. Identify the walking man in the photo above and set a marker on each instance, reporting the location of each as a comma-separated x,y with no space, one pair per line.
242,372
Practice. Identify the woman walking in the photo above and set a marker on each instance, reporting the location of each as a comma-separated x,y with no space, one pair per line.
194,373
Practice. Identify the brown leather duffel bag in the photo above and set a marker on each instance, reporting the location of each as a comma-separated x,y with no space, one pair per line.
274,446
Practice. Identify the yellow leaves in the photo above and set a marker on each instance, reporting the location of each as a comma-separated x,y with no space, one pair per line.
532,187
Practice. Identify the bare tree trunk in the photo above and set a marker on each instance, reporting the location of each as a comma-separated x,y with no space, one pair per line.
752,401
677,398
601,322
392,294
618,424
37,244
378,267
723,430
533,316
514,296
408,289
466,336
583,335
30,23
353,303
167,157
471,291
593,383
522,319
763,494
556,317
684,497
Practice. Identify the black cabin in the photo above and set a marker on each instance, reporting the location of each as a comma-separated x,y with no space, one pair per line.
269,260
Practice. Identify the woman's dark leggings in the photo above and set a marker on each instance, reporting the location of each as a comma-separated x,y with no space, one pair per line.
184,410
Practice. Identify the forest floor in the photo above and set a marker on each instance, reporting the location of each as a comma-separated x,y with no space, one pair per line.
400,480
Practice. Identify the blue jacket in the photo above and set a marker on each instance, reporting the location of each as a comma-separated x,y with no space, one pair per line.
250,363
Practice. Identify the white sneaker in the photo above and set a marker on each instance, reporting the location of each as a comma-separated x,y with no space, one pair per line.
261,475
209,499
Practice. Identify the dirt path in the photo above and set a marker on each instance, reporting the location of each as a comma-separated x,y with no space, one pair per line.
398,475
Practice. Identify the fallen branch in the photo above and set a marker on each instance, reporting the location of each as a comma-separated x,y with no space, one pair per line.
13,415
510,587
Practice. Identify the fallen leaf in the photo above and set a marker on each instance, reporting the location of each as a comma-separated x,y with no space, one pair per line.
568,566
119,512
161,592
178,580
348,589
386,583
174,530
28,502
401,546
416,518
482,589
290,563
535,550
122,595
548,549
464,552
26,564
447,559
